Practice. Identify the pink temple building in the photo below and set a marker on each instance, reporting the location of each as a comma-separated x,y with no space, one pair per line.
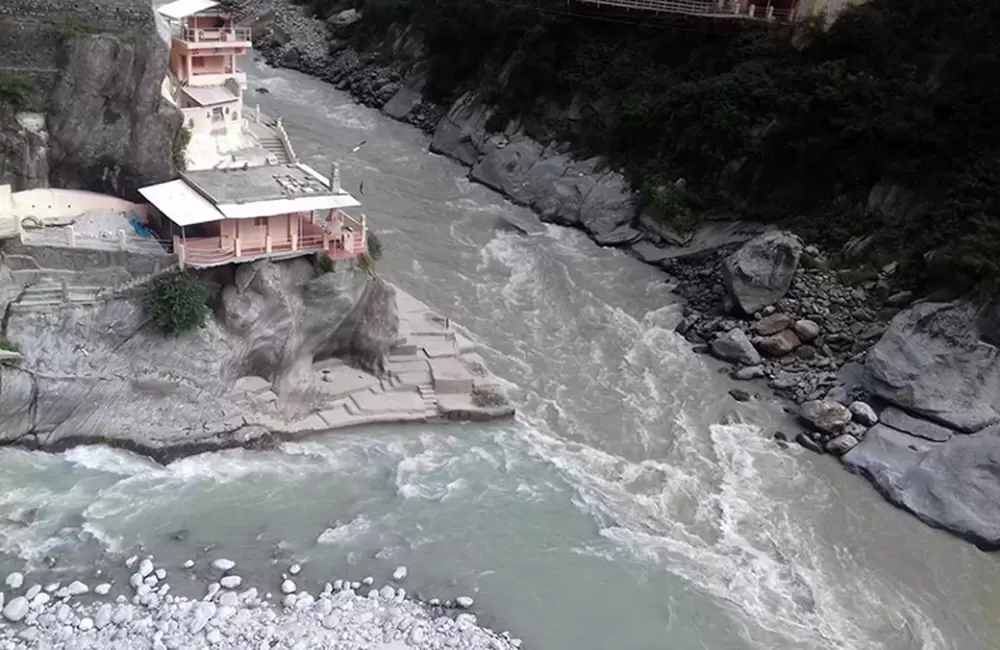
222,216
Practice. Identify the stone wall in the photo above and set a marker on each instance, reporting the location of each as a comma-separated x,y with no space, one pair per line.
19,257
107,15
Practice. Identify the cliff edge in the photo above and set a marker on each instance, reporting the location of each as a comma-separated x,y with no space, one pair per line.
94,71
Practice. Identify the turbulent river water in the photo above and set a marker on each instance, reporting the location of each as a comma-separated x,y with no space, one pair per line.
615,512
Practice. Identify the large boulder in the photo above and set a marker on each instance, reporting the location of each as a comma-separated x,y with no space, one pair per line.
936,361
735,346
953,485
827,416
760,272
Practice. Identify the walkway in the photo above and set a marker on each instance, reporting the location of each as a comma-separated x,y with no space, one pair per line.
770,10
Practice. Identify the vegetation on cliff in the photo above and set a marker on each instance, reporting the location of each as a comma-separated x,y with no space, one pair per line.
15,95
177,303
758,124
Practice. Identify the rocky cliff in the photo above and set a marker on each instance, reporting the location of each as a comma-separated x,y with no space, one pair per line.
102,374
95,70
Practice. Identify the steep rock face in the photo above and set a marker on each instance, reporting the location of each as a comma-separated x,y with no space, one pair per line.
24,162
938,455
109,129
101,373
560,188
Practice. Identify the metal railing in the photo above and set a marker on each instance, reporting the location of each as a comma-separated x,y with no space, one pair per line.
222,35
760,10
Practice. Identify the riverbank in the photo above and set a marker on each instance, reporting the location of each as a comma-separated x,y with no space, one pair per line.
287,354
346,614
809,340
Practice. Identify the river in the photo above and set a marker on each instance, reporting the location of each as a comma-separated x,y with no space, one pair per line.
615,512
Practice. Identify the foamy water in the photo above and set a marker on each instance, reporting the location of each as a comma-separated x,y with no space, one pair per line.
617,511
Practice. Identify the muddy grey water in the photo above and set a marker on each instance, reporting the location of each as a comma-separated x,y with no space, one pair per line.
615,512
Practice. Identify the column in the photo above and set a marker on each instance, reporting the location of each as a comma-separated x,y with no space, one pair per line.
122,242
71,231
187,60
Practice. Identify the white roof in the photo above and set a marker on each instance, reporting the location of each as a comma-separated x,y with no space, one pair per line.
274,207
209,95
184,8
180,203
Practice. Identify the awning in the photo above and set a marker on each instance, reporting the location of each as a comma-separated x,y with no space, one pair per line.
275,207
184,8
209,95
180,203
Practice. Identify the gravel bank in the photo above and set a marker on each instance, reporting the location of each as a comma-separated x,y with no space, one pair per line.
145,615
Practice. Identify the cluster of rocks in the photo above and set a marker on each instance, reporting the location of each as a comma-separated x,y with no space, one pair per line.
288,38
833,427
794,326
149,616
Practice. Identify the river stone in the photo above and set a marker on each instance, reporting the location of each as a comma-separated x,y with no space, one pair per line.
102,589
15,580
940,361
806,329
16,609
825,415
223,564
778,345
145,567
464,602
804,440
77,588
103,617
863,413
400,573
86,624
231,582
287,587
841,444
772,324
760,272
749,372
735,346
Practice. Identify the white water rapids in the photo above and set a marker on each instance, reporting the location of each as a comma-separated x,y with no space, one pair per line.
615,512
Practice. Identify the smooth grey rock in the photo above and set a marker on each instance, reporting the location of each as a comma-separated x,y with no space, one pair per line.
14,580
935,361
400,573
77,588
778,345
287,587
735,346
465,602
102,589
223,564
825,415
103,617
841,444
760,272
804,440
748,373
231,582
901,421
806,329
863,413
952,485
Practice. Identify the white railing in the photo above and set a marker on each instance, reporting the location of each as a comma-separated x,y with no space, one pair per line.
279,128
68,237
223,35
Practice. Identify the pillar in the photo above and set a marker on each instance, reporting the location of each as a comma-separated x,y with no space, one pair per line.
187,60
71,232
122,241
335,178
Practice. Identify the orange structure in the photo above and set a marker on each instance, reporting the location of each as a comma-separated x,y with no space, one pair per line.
222,216
204,81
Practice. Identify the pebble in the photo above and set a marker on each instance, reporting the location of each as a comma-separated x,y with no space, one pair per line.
287,587
145,567
15,580
231,582
223,564
102,589
33,591
161,574
86,624
464,602
129,563
188,564
16,609
400,573
368,581
295,569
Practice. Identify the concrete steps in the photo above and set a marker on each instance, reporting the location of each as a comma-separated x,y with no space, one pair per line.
273,146
43,297
429,396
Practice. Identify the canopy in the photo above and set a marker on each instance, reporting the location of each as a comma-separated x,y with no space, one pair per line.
184,8
180,203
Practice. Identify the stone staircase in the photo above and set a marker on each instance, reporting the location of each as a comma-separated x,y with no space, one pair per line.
429,396
272,145
47,297
134,283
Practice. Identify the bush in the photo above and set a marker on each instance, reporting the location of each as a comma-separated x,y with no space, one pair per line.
9,346
322,264
15,95
488,397
374,246
177,153
177,303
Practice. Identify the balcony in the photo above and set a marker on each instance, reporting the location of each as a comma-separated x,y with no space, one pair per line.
217,37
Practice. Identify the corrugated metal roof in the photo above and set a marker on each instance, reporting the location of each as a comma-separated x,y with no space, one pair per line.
210,95
287,206
184,8
180,203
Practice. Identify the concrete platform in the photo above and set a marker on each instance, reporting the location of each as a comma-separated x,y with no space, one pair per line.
450,376
343,381
395,402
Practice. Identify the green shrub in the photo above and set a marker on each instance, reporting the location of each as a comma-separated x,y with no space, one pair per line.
322,264
9,346
177,303
15,94
177,153
488,397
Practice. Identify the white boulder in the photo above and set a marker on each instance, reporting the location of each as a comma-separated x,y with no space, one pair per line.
16,609
223,564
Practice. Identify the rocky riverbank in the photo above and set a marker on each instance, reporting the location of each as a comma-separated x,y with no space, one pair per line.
288,352
845,354
346,614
